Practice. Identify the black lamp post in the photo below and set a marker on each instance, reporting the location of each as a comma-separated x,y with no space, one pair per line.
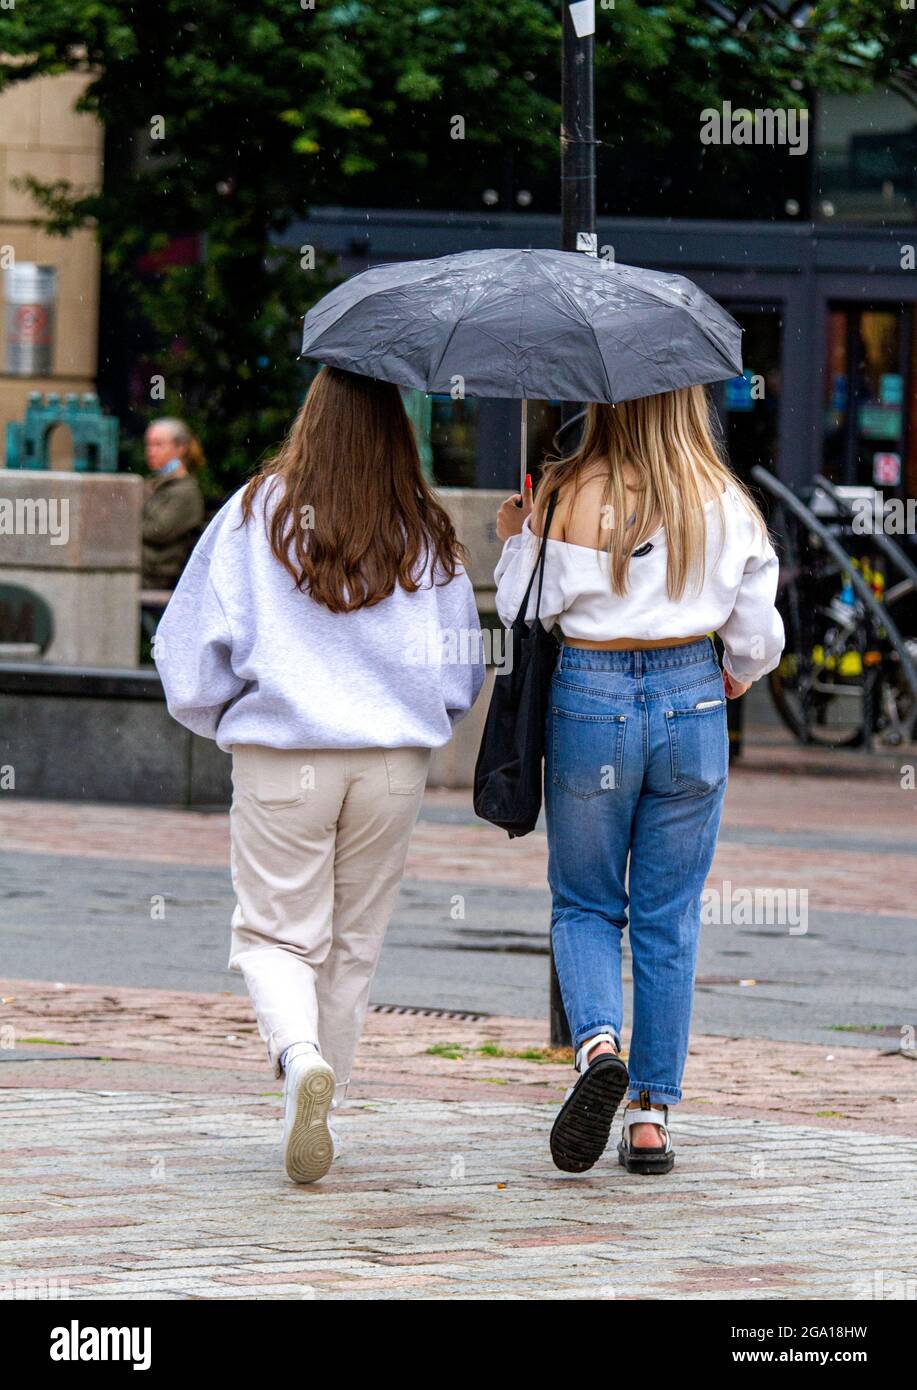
578,233
577,130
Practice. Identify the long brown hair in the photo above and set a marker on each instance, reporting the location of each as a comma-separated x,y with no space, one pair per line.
670,441
354,515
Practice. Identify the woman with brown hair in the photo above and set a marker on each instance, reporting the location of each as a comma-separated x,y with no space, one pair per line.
324,632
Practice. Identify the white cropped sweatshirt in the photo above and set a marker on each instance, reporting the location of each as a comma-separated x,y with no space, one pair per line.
736,599
245,657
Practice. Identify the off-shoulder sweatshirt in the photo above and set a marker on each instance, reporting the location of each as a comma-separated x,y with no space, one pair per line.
246,657
736,599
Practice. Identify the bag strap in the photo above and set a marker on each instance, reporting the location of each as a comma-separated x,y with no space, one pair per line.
539,564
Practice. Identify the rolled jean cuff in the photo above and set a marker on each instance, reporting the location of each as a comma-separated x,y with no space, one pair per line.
584,1034
659,1095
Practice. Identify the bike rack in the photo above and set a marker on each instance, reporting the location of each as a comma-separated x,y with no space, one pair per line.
892,552
862,589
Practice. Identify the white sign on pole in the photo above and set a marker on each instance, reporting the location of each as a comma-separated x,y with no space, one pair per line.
583,15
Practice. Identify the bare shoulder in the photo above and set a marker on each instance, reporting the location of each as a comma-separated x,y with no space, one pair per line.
536,525
583,521
577,516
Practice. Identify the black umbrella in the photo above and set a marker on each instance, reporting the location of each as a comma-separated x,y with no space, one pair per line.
545,325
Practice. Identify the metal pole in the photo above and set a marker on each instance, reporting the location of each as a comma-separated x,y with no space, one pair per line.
578,233
577,131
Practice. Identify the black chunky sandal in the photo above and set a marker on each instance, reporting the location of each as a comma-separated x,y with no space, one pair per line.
655,1160
580,1133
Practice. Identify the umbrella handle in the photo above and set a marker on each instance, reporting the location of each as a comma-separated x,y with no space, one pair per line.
523,445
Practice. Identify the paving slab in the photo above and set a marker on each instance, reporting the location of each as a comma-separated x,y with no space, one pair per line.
139,1143
143,1195
140,1122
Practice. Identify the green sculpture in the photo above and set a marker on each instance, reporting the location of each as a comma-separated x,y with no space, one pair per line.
95,436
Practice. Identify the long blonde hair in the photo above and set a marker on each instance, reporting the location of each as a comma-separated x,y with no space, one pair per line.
672,444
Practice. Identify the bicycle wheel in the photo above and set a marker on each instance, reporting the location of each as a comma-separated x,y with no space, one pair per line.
824,687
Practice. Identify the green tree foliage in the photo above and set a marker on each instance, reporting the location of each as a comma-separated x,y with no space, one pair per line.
224,122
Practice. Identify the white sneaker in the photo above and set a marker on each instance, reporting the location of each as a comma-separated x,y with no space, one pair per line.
336,1140
308,1144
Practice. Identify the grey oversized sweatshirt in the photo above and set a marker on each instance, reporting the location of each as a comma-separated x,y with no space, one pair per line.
245,657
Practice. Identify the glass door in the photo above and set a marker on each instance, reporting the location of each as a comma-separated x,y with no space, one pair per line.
749,405
867,396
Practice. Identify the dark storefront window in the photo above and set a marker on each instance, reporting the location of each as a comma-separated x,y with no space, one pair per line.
749,405
910,469
457,434
866,427
544,422
865,158
453,440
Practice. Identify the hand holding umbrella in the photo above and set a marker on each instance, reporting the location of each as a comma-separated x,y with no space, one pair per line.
513,512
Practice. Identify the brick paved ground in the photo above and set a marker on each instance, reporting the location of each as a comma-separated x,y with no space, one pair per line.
140,1152
137,1194
139,1128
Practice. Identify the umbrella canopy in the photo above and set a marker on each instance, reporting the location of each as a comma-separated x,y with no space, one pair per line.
543,325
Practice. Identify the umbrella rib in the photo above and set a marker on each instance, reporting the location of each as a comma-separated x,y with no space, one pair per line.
452,332
558,286
381,292
602,360
357,304
587,321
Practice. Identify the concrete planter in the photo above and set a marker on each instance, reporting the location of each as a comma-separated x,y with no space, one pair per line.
74,539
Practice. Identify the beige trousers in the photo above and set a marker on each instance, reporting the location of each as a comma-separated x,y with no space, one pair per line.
318,843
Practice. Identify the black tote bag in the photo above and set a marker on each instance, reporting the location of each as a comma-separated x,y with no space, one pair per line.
508,772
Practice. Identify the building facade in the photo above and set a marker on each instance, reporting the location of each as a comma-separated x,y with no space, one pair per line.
43,136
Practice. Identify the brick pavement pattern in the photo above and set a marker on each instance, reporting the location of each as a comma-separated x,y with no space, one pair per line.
140,1147
138,1195
139,1128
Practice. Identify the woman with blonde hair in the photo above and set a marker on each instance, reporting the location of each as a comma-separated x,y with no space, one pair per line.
325,634
652,545
173,507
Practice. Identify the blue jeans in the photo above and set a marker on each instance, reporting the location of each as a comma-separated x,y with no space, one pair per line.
636,765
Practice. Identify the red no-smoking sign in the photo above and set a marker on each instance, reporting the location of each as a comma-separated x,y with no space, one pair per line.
31,323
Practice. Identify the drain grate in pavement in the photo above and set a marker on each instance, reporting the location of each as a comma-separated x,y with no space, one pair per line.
416,1011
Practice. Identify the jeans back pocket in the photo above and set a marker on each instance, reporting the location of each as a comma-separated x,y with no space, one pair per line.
588,751
699,745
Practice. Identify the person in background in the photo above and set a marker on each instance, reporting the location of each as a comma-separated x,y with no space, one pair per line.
173,508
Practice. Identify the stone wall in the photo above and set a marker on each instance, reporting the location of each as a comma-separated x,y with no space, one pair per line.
74,538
